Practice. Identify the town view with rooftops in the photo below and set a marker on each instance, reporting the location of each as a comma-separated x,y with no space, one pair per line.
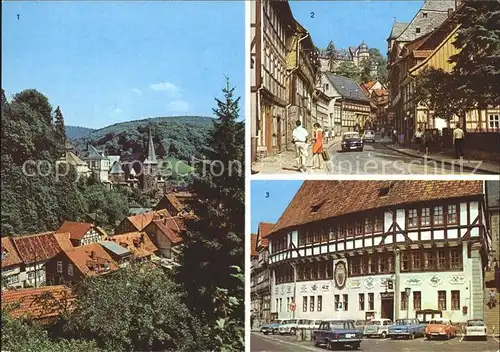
126,234
396,266
376,87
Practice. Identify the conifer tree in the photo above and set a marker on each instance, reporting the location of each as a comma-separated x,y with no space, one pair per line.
59,125
214,241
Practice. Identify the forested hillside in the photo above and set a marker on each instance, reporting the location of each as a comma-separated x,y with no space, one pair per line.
73,132
182,137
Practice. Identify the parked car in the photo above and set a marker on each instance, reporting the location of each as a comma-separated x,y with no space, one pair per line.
315,324
272,327
408,328
440,327
476,329
304,324
352,141
288,327
378,328
337,333
369,135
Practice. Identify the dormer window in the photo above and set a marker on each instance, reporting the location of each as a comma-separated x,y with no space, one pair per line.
385,189
4,253
316,207
417,30
424,14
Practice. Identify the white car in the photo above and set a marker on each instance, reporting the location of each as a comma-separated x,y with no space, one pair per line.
377,327
288,327
304,324
369,135
476,329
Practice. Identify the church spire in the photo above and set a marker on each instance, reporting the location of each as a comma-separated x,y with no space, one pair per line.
151,157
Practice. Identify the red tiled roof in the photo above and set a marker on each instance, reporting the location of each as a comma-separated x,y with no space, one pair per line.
319,200
381,92
174,201
39,303
133,242
11,256
140,221
38,247
253,245
264,230
63,239
85,258
76,229
171,227
370,84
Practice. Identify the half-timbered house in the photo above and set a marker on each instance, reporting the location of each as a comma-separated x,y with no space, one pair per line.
364,249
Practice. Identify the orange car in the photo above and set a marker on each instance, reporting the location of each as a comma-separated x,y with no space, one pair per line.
440,327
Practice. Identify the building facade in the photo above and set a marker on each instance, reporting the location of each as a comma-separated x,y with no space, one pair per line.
409,248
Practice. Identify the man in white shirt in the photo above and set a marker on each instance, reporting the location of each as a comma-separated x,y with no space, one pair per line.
299,138
458,141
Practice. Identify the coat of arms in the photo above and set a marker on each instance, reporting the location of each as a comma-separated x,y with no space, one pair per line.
340,275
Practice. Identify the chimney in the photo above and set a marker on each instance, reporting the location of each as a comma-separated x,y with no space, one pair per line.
142,238
450,12
156,216
92,255
458,3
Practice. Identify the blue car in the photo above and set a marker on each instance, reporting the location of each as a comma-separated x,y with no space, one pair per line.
337,333
271,328
407,328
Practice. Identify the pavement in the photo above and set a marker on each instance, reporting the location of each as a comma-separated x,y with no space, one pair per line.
376,158
270,343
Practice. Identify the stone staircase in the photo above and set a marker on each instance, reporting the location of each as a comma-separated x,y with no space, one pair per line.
491,314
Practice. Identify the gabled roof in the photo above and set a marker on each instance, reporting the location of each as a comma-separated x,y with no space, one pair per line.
320,200
39,303
116,168
264,230
397,29
73,159
115,248
94,153
9,253
76,229
140,221
37,247
171,228
89,257
346,87
253,245
137,242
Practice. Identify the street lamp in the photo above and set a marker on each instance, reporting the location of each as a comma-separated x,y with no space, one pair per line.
407,292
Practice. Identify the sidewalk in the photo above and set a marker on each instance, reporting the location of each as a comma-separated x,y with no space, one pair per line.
285,162
448,158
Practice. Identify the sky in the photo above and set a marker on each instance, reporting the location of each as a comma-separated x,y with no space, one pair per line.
108,62
348,23
270,199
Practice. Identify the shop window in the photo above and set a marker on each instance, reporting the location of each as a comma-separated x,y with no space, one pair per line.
455,300
417,300
361,301
336,301
441,300
404,301
371,299
345,302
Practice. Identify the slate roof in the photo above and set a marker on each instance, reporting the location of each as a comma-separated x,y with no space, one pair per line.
39,303
116,168
37,247
437,13
93,153
347,87
137,242
319,200
73,159
397,29
10,256
115,248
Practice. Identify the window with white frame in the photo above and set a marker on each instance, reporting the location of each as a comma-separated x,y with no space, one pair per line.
59,267
70,269
494,121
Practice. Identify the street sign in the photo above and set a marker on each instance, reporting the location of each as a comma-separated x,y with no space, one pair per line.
292,306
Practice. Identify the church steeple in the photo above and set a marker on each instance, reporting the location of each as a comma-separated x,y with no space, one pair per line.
151,157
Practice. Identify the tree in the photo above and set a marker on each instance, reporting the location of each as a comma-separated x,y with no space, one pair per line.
214,241
348,69
59,125
330,50
379,61
138,308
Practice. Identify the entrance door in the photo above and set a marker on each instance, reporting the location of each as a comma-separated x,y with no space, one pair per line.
269,130
278,132
387,308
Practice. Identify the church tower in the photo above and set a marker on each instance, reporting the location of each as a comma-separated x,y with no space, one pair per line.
150,163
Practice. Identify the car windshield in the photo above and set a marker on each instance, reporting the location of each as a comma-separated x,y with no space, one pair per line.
437,321
292,321
404,322
351,135
317,322
368,132
374,322
475,323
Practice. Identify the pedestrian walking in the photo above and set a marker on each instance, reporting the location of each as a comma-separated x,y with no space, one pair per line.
428,138
318,146
394,136
299,138
417,139
458,141
326,134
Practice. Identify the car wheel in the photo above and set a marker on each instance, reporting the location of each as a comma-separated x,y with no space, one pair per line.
292,331
411,337
384,335
485,338
266,332
428,337
355,347
329,345
275,331
315,343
